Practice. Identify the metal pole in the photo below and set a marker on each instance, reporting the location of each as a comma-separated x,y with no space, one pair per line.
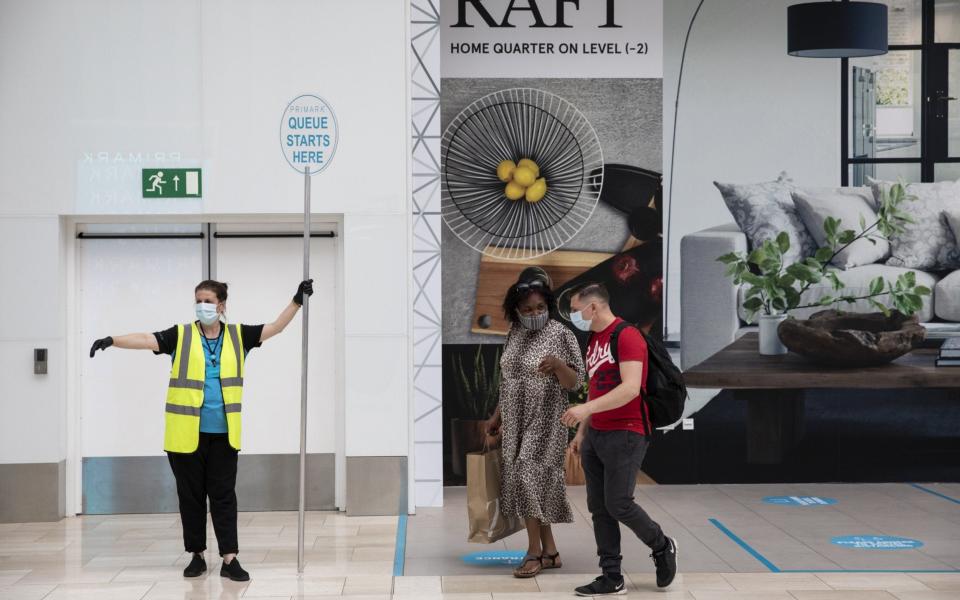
673,155
303,370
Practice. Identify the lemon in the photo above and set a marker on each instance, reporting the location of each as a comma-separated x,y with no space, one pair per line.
505,170
526,162
537,191
514,191
524,176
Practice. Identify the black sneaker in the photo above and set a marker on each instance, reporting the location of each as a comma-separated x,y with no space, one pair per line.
234,571
666,562
603,586
196,568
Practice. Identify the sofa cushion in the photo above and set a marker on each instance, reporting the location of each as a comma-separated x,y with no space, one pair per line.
947,297
763,210
849,207
952,217
857,282
927,243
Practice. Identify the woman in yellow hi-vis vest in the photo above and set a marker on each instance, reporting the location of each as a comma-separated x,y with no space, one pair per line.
202,435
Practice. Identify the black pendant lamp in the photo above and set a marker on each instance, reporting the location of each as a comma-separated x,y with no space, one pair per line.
836,29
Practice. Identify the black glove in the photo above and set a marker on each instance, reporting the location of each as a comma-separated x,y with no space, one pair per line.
306,287
101,344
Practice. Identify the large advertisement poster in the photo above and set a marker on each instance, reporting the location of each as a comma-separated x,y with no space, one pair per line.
551,158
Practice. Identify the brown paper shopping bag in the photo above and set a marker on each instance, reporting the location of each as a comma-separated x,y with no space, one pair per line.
487,523
573,469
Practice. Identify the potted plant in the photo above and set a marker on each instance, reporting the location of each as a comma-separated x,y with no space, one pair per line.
777,288
477,394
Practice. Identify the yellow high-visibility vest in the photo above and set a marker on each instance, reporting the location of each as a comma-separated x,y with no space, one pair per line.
185,394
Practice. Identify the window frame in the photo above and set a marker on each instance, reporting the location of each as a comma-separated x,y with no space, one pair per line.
934,58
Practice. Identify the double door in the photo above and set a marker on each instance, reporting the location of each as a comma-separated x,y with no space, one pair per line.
141,278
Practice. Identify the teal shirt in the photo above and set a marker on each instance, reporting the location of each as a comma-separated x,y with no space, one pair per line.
213,418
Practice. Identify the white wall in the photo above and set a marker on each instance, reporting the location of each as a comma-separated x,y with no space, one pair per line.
747,111
31,316
92,92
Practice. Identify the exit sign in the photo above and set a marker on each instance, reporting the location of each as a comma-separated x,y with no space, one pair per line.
172,183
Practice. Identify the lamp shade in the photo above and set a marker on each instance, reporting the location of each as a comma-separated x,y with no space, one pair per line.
836,29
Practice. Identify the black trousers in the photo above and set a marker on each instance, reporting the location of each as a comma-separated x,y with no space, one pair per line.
611,460
211,472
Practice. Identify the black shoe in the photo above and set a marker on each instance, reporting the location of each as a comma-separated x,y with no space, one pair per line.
234,571
196,568
603,586
666,562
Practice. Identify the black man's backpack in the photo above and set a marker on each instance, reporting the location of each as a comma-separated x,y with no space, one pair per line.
666,390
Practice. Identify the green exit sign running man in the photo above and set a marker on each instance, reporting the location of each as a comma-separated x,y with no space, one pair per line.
172,183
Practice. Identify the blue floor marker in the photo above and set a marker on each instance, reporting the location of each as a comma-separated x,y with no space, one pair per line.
495,557
876,542
400,550
799,500
935,493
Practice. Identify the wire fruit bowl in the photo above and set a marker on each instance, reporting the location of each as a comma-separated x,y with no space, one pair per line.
514,124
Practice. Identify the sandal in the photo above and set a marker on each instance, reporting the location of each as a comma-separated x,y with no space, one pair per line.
555,562
519,573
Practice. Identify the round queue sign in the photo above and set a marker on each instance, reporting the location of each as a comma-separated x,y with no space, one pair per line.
309,133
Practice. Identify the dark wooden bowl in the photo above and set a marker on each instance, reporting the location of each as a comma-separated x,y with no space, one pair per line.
842,340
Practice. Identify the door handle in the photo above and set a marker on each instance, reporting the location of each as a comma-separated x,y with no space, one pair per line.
946,98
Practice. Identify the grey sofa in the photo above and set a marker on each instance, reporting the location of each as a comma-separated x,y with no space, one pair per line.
712,315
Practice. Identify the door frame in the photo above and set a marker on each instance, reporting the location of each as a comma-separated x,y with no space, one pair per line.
72,225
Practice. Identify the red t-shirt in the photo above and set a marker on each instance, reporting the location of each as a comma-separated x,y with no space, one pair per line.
605,376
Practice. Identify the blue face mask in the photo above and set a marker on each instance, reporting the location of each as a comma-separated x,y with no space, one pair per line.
207,313
579,322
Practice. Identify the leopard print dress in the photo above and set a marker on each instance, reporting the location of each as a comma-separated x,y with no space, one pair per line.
534,439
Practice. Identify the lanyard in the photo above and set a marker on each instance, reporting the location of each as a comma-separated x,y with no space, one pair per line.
215,348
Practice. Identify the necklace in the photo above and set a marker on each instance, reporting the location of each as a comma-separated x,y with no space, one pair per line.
213,350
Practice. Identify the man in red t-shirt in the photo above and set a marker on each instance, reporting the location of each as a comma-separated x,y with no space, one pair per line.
612,440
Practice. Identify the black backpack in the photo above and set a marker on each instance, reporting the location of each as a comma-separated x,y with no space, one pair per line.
666,391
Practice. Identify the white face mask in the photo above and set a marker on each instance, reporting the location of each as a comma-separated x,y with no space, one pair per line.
579,322
534,322
207,313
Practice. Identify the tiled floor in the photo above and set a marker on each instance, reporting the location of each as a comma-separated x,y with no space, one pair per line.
139,557
787,537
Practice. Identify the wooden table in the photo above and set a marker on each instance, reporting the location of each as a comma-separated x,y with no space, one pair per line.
773,387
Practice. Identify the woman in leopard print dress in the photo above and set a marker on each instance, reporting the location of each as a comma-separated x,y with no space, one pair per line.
541,361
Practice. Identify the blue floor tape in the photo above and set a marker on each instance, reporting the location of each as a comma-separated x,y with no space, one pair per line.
400,551
935,493
763,560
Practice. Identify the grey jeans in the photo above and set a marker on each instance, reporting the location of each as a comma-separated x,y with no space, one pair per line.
611,460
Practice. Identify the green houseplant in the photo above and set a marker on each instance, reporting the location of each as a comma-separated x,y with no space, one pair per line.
777,288
477,394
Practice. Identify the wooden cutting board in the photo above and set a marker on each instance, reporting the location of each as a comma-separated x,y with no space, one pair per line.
496,275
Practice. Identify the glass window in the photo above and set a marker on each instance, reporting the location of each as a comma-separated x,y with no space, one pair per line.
946,25
904,22
946,172
909,172
886,106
